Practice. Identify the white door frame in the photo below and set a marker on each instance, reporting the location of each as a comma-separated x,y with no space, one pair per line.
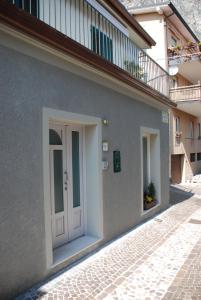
94,193
154,164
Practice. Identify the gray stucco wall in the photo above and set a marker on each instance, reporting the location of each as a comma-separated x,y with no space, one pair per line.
27,85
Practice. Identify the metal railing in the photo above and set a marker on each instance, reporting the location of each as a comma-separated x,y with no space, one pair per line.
184,93
183,55
30,6
82,22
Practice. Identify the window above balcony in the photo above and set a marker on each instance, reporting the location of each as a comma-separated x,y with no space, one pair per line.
101,44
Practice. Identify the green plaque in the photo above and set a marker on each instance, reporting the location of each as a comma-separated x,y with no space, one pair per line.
116,161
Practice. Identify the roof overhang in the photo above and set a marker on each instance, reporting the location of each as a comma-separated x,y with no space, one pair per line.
190,70
170,12
143,39
192,107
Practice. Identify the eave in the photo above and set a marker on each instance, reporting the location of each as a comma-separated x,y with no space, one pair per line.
33,27
169,10
117,7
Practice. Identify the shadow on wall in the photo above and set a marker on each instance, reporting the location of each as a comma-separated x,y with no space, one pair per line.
177,195
28,295
39,295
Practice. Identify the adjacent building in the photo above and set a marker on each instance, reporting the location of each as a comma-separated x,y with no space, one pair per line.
84,131
177,50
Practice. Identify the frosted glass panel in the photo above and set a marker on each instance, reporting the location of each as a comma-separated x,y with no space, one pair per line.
58,181
76,168
54,138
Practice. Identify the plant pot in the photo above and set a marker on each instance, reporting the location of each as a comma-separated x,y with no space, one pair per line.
150,204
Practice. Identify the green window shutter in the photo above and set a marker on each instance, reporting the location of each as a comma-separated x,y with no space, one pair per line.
34,9
93,33
108,48
18,3
95,40
111,51
27,6
34,6
101,44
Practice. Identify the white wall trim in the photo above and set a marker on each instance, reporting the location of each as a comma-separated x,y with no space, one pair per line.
52,115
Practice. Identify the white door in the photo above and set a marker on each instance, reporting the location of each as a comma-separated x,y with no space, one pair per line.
66,182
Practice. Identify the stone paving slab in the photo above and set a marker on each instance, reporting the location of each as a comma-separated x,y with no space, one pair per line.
157,260
196,178
161,268
192,188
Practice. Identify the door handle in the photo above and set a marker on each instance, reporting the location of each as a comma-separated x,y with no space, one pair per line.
66,181
66,174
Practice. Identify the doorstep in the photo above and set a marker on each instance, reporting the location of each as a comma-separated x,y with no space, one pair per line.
71,249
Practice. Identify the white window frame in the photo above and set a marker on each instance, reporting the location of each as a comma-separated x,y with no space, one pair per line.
173,82
173,40
199,131
148,157
191,130
177,124
154,159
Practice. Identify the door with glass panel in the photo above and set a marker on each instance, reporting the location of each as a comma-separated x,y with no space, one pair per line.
66,183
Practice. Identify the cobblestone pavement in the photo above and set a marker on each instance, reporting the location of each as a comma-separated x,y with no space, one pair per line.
196,178
192,187
160,259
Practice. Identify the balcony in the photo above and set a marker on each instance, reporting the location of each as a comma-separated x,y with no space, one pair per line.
106,37
188,98
180,55
186,60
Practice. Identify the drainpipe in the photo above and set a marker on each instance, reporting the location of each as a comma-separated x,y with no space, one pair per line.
166,36
171,129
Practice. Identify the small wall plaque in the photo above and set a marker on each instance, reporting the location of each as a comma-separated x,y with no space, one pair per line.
165,117
105,165
105,146
116,161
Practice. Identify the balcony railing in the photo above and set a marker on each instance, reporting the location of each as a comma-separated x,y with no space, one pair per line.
80,21
180,55
185,93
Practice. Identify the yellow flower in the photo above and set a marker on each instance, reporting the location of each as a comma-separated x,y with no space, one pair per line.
148,199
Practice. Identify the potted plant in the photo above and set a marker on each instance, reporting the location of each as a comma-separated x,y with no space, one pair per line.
191,46
178,134
178,48
173,51
134,69
150,197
